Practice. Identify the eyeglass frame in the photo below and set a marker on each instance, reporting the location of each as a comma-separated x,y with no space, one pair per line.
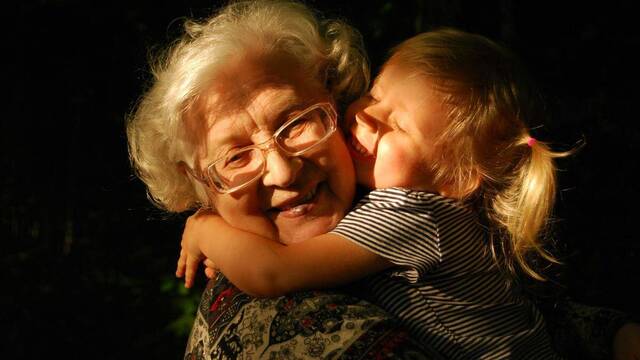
267,145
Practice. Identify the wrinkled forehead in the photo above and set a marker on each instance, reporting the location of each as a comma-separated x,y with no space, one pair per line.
249,78
252,91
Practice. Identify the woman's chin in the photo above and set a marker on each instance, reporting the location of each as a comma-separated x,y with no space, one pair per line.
320,216
295,234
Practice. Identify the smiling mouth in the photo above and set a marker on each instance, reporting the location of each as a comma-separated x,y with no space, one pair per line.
299,206
299,202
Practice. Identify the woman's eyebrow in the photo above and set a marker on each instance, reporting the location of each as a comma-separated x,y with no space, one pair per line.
234,131
288,111
224,137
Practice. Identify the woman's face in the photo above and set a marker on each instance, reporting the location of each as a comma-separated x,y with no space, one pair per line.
296,197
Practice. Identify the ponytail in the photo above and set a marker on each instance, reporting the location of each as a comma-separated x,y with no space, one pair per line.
523,207
486,156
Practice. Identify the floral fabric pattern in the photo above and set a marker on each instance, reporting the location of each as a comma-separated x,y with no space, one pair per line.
305,325
332,325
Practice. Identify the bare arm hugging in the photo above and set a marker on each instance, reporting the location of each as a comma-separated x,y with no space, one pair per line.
263,267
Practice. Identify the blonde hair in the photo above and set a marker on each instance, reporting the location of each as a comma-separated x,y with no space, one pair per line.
331,51
486,154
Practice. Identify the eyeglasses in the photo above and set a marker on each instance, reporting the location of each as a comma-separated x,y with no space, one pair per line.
301,133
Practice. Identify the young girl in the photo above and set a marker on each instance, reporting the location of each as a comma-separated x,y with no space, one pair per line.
463,193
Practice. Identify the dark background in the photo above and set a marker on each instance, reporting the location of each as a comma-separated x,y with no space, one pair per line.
87,262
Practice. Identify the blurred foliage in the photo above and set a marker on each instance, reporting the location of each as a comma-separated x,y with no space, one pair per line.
88,262
183,299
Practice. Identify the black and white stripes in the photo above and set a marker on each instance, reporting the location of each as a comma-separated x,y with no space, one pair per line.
446,287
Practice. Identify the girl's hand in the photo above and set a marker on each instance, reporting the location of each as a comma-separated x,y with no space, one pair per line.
626,343
210,269
190,253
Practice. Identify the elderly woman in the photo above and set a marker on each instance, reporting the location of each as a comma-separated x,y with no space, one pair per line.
220,129
242,119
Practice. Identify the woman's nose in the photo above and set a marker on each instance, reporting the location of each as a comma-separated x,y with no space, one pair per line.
280,170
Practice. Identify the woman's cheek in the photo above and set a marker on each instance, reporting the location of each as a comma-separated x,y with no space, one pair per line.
243,211
338,161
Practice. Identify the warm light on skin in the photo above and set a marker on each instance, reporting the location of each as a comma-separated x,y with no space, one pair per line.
394,129
273,205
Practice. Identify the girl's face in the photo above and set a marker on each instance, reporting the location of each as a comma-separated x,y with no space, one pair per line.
392,131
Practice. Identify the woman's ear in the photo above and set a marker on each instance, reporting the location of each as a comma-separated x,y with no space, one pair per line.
183,168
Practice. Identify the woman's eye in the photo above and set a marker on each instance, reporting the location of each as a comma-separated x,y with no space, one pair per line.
238,159
298,128
307,124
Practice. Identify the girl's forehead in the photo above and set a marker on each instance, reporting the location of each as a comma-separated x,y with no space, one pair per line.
388,77
393,70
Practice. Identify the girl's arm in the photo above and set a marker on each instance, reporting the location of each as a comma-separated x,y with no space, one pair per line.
263,267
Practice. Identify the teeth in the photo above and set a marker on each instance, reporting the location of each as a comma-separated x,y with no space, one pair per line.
359,147
309,196
305,199
297,210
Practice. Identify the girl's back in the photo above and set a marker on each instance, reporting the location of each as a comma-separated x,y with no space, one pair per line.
447,288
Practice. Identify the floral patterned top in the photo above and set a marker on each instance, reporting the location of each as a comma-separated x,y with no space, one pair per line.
338,325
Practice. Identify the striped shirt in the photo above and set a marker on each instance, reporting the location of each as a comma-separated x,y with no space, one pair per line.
446,288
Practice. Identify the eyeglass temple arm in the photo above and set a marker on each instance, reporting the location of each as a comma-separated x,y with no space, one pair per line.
187,170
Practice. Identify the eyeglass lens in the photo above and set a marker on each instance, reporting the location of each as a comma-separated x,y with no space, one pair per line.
295,137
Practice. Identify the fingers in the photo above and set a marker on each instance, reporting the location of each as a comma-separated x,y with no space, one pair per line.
210,264
182,263
210,273
190,273
187,268
210,269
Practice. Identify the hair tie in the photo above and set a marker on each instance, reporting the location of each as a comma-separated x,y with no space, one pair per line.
531,141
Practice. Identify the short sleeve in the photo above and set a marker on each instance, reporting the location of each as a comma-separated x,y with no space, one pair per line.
400,228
